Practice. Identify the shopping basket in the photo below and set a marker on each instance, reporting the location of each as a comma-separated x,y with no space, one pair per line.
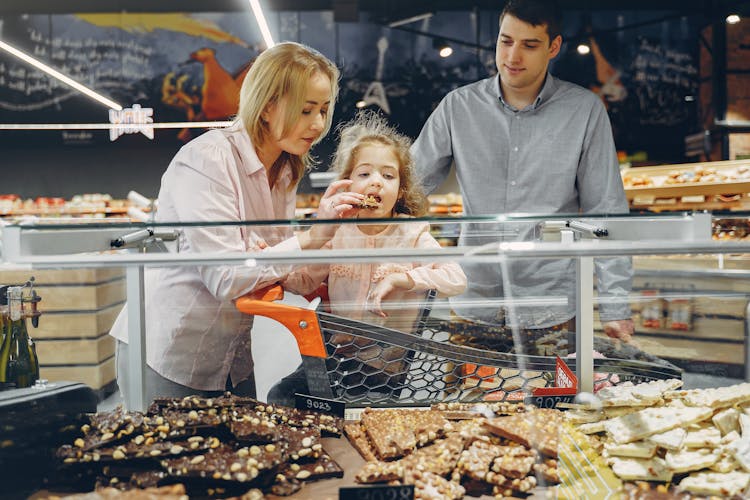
352,361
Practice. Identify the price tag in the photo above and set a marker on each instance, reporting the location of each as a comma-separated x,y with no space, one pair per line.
548,401
402,492
566,385
327,406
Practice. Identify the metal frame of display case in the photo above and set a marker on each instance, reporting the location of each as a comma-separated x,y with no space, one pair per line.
36,246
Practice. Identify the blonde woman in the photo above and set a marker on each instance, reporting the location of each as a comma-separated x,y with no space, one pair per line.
196,342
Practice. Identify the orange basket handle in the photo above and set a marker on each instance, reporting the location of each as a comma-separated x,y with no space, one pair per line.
303,323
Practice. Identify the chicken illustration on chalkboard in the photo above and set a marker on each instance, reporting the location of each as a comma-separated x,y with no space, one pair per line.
217,98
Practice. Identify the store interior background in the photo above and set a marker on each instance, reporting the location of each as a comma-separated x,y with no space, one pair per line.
657,64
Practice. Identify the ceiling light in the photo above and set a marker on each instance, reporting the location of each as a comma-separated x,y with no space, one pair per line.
262,24
583,49
733,18
442,47
56,74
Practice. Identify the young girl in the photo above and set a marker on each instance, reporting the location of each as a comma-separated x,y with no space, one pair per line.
376,159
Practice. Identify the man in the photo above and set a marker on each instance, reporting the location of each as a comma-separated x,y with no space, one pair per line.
526,142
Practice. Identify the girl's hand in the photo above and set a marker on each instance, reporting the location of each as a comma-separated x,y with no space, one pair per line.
335,205
384,288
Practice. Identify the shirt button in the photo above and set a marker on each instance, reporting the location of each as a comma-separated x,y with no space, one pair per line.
512,183
518,117
515,148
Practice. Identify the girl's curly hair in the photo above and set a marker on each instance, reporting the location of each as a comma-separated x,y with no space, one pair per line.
369,128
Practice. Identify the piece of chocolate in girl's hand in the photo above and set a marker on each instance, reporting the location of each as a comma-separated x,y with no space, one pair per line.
370,202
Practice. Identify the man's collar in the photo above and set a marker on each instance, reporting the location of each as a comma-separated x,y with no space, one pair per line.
548,90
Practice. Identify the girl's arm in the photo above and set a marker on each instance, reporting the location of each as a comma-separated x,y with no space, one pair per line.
446,277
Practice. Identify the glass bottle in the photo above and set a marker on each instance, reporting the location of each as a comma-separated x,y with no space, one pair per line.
20,369
5,334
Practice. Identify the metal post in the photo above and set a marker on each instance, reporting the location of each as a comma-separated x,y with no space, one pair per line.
585,324
136,339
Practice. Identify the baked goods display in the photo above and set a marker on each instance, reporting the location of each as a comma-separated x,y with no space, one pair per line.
692,442
88,205
446,204
500,449
730,229
722,185
213,446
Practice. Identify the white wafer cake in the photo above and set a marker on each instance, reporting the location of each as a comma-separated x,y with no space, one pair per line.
644,394
649,421
727,421
639,449
740,450
638,469
702,438
720,397
727,484
690,460
670,440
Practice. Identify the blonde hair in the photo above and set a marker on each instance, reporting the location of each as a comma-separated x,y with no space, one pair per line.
283,71
370,129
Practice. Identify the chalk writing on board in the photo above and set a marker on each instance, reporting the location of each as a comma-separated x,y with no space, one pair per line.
661,79
104,65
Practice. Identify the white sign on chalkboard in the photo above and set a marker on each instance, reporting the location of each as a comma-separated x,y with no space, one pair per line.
131,121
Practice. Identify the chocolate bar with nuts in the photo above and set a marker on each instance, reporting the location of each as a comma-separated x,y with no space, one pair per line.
137,448
538,429
358,438
250,426
112,421
227,400
440,458
395,433
225,464
428,485
171,492
323,467
514,461
511,486
461,411
328,424
302,443
378,472
475,461
547,471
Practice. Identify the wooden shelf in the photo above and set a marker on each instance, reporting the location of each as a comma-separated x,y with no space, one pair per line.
64,211
654,197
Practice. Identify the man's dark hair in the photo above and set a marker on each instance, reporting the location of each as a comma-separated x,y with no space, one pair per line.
536,13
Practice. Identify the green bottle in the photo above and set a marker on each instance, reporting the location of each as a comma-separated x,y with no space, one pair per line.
9,351
6,337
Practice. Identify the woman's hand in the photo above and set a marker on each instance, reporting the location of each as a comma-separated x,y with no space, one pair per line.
390,283
335,205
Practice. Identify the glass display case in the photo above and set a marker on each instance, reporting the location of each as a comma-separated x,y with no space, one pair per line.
524,309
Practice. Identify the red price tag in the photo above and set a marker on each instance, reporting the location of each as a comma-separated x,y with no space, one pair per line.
565,381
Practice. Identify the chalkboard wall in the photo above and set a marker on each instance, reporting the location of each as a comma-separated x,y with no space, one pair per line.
646,76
